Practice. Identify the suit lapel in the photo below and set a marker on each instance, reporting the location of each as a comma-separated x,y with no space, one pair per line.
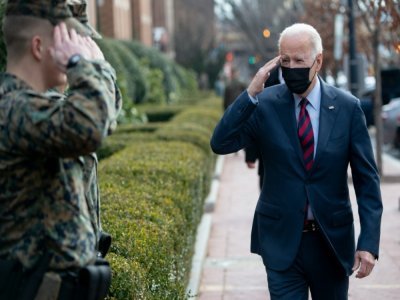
328,114
286,111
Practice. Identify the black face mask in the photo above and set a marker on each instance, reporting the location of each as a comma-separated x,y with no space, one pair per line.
297,79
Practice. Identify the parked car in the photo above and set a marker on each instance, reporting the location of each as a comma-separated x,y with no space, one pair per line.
390,89
391,123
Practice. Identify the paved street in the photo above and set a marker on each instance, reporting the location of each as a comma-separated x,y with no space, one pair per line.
231,272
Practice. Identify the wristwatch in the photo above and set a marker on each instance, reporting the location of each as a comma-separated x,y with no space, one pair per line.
73,60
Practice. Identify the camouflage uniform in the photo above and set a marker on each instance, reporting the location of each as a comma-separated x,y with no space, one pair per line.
79,11
45,144
89,168
92,195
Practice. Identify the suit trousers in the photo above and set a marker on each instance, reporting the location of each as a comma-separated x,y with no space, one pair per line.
315,269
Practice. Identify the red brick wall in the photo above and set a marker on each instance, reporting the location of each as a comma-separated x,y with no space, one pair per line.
106,18
142,21
115,19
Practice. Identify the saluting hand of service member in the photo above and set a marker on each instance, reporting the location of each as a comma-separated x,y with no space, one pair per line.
95,51
257,84
66,44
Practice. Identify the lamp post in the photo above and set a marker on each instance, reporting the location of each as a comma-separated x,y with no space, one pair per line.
352,51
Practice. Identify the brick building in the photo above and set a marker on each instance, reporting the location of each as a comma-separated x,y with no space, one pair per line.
154,22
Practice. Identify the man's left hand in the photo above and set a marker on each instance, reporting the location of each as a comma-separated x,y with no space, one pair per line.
364,262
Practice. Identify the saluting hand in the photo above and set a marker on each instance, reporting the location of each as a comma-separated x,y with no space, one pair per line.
66,44
95,52
257,84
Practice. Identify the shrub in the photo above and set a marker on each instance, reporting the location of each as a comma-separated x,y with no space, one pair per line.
157,60
154,77
160,113
144,128
119,140
186,78
112,53
153,189
194,125
152,199
115,61
137,85
125,273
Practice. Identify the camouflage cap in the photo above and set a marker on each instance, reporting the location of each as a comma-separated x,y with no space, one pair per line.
78,10
55,11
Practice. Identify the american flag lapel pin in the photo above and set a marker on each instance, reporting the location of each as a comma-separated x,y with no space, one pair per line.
331,107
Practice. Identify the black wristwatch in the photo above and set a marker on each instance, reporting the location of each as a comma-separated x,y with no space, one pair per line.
73,60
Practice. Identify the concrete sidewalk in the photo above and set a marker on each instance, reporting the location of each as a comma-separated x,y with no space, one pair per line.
230,271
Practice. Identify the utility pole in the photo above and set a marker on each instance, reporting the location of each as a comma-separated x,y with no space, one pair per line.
352,51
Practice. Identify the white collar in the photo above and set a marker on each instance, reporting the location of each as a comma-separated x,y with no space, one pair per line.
314,97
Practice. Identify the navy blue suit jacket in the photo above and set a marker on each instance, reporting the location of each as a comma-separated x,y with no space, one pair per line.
343,140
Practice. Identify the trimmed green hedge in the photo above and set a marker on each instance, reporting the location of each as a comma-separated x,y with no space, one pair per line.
160,113
194,124
146,76
148,127
152,199
157,60
133,70
120,140
153,189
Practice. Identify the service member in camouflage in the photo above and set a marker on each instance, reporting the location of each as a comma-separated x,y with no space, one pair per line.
43,141
79,11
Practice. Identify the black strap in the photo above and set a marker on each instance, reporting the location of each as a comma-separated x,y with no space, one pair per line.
95,280
33,278
10,278
104,243
90,283
18,283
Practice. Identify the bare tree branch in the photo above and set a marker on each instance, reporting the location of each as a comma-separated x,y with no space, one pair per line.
251,17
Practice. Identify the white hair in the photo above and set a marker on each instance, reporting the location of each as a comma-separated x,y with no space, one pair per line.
303,29
76,2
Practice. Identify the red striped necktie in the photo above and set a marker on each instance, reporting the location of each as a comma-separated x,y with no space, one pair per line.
306,134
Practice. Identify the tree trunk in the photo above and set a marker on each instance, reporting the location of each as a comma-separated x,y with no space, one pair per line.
378,101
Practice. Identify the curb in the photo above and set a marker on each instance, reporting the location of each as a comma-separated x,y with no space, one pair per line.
203,233
212,196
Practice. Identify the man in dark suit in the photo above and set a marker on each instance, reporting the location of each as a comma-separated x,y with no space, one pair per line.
308,134
252,154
